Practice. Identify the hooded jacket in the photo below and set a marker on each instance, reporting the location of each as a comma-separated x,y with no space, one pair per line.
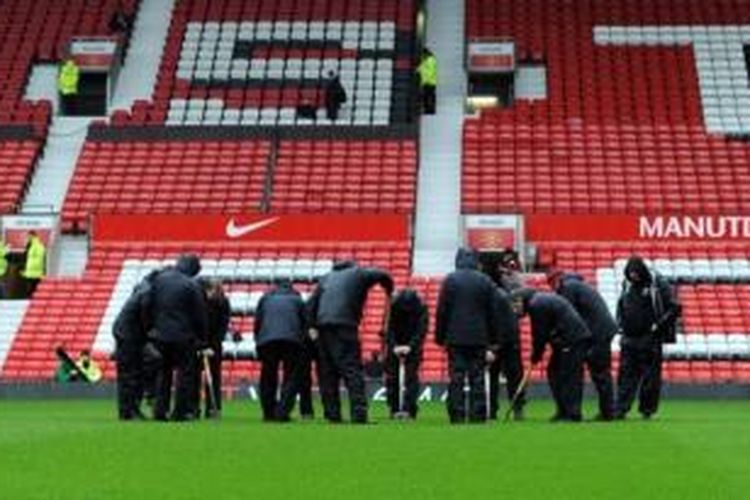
647,309
467,306
179,305
590,306
340,295
135,319
189,265
553,321
408,321
219,313
280,316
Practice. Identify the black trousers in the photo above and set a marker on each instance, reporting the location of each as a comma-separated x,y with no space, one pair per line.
177,358
640,373
31,285
341,357
129,366
508,362
332,110
599,363
152,366
429,99
288,356
214,366
309,355
411,382
466,363
565,376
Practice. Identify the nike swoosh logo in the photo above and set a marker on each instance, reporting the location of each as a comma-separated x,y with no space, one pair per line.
235,231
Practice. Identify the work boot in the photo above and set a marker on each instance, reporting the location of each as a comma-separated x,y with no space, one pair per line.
185,417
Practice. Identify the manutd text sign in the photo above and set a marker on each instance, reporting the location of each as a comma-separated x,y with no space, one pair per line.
633,228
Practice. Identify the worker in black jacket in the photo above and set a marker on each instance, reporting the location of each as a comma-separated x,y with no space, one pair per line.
280,327
335,95
180,320
130,330
219,314
335,313
467,326
405,335
591,307
508,358
554,321
647,314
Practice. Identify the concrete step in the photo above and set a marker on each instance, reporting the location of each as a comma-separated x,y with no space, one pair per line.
138,75
11,317
73,254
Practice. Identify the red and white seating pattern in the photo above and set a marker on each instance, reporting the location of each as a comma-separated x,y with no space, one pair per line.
39,31
204,80
719,61
345,176
209,54
641,99
213,177
166,177
17,159
544,168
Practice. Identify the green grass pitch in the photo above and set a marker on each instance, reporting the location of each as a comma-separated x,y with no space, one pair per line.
76,450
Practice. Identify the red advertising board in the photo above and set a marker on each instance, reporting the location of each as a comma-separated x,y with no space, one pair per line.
266,227
541,228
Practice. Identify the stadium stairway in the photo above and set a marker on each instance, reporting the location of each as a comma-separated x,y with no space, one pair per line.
11,316
43,85
138,75
71,256
55,169
437,232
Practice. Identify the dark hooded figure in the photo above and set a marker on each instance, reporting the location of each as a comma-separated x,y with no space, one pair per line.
180,319
647,314
591,307
404,338
130,330
508,360
219,315
280,327
467,326
335,95
554,321
335,311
